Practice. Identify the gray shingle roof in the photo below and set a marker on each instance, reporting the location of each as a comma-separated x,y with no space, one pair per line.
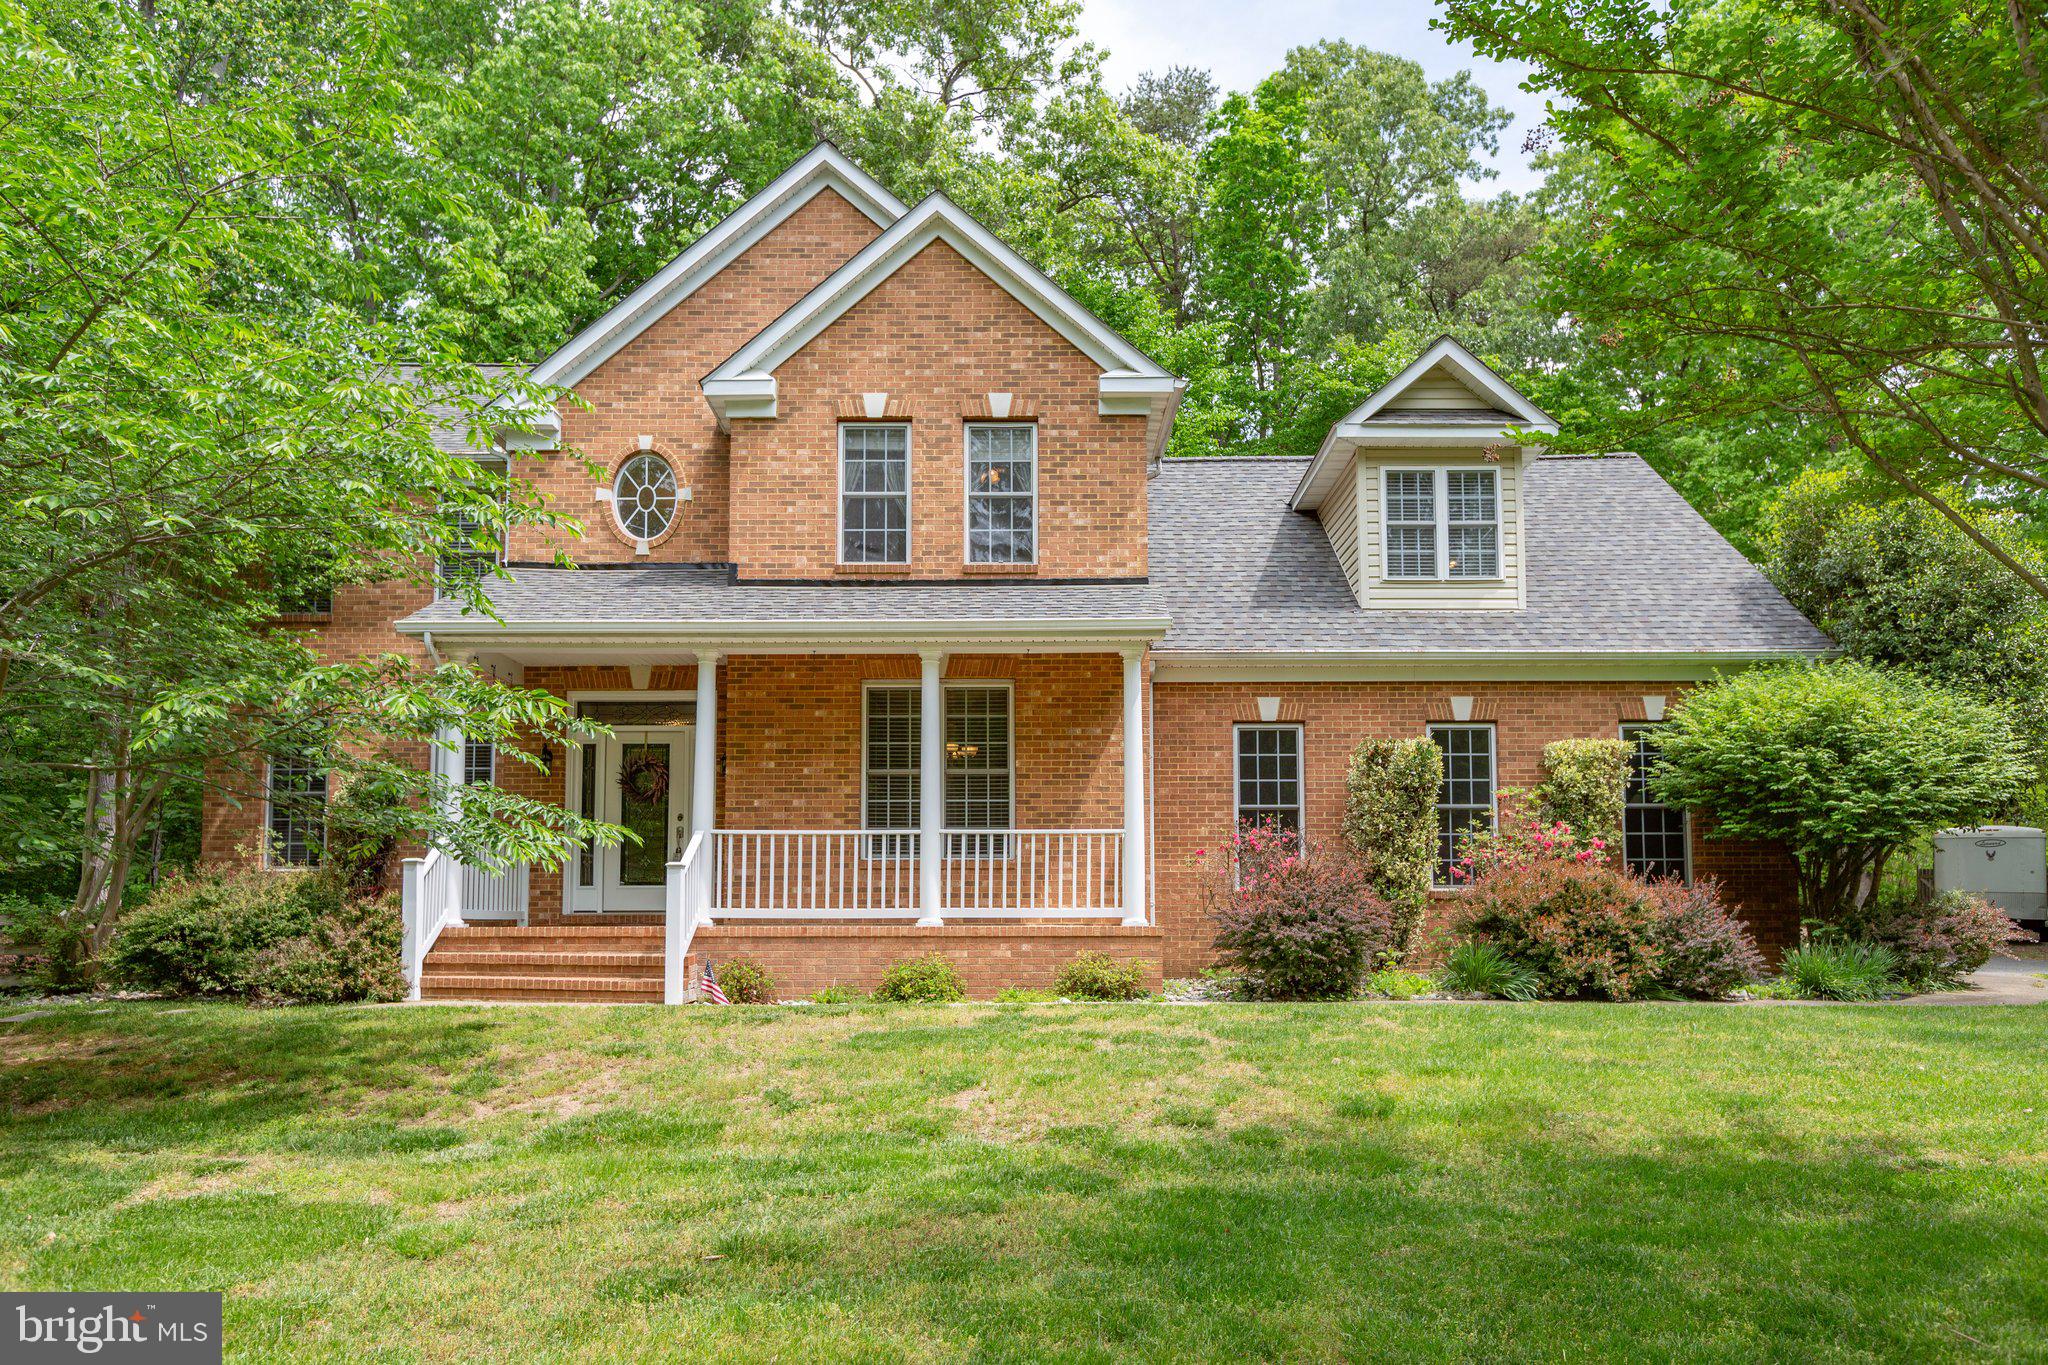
701,593
1617,562
450,433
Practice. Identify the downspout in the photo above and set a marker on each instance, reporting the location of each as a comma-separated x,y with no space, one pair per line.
428,637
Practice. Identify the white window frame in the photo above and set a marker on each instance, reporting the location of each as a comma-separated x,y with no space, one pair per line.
909,501
271,859
1441,482
442,578
890,849
1237,732
675,511
967,504
947,689
1437,877
1627,732
490,779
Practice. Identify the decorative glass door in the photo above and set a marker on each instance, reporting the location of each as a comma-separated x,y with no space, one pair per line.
643,780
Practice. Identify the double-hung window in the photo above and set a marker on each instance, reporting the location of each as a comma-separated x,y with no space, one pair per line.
473,548
979,769
1269,777
1655,840
874,493
1441,523
295,791
1002,493
1464,802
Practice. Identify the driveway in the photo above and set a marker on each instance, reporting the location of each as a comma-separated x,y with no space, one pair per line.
2001,981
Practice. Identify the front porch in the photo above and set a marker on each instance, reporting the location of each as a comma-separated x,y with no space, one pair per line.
823,811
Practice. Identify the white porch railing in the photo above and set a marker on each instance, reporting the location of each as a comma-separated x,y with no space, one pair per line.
1032,872
686,896
494,894
430,897
875,873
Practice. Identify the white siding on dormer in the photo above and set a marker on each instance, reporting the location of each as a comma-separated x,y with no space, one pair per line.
1439,390
1372,586
1339,515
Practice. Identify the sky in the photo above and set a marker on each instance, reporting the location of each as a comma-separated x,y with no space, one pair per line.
1242,41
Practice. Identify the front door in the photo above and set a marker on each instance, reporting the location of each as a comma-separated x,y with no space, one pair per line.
644,786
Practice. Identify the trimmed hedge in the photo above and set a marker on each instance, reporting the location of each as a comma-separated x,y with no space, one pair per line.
1390,796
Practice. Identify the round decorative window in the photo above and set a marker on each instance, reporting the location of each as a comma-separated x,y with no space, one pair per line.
644,497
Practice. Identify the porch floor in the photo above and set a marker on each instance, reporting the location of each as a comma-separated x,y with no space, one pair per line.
621,963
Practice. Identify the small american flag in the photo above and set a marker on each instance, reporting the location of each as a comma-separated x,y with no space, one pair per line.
710,989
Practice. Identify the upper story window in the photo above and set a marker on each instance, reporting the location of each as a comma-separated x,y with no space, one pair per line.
1002,493
1655,840
473,548
874,494
1442,523
645,497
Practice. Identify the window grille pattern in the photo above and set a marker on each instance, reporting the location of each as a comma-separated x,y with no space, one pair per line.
893,730
297,817
644,497
1653,835
978,769
1465,800
1002,483
874,504
1411,523
1473,503
1269,776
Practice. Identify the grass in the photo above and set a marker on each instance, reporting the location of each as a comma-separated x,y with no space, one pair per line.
832,1183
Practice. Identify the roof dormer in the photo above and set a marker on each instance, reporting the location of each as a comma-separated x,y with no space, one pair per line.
1419,488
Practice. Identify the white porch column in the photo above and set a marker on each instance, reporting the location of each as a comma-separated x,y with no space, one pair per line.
1134,787
704,766
931,787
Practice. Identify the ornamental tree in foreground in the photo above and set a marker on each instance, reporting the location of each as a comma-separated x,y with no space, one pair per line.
1841,762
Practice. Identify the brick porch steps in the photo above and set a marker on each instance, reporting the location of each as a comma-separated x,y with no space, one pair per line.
616,963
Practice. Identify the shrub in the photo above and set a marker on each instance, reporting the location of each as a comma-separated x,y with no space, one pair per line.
202,934
1836,969
1475,968
1937,942
1841,762
1096,976
1522,838
52,951
1584,787
746,982
1390,796
352,956
928,980
1585,929
1298,927
1703,950
1020,995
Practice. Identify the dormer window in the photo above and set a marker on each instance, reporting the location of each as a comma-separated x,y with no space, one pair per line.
1442,523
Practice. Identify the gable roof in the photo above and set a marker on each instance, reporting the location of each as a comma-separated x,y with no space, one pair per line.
1498,407
1132,382
822,168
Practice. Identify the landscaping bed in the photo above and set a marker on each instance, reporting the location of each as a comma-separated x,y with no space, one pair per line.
903,1181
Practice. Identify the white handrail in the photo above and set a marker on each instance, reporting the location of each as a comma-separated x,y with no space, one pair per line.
875,873
684,900
430,899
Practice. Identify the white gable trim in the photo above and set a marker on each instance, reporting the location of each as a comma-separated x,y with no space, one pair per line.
1353,430
1132,381
822,168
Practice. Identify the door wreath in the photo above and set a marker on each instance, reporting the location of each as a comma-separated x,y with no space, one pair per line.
644,777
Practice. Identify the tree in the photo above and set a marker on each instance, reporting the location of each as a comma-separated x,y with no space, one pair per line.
1843,763
1898,585
185,419
1832,210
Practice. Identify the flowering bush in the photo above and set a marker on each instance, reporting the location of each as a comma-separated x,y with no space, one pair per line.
1702,949
1297,925
1586,929
1523,839
1937,942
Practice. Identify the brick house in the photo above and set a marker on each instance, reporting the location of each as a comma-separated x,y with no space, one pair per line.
909,640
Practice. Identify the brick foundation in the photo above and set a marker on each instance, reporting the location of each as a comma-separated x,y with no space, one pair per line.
989,957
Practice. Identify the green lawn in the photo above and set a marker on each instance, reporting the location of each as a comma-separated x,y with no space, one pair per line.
1687,1182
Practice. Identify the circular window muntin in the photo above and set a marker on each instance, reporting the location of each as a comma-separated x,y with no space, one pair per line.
645,497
